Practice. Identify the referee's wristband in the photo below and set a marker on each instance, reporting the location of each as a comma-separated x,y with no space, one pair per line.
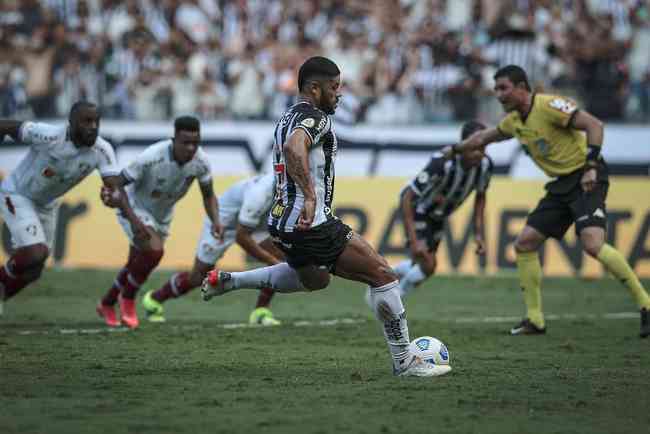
593,152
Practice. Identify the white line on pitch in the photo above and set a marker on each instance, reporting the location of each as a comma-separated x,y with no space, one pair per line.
340,321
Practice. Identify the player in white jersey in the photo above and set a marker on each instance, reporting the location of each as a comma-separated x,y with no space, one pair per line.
315,242
59,158
154,182
431,197
243,210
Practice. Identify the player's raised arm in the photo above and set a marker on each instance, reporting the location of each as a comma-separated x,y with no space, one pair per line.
11,128
297,159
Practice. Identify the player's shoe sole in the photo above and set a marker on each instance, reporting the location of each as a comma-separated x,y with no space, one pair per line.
129,314
526,327
107,313
154,310
214,284
262,316
645,323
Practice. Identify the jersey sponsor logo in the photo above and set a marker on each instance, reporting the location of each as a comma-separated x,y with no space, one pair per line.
563,105
277,210
48,172
309,122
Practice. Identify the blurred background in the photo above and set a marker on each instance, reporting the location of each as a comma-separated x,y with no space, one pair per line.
404,62
412,72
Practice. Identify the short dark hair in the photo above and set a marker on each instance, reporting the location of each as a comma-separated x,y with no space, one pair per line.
515,74
78,106
469,128
187,123
316,67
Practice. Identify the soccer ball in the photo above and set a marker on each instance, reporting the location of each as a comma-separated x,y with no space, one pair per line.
430,350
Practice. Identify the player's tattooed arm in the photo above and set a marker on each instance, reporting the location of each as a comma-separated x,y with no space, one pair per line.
297,159
211,206
9,127
479,139
479,222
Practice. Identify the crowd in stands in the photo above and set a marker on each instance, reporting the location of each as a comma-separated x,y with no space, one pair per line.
402,61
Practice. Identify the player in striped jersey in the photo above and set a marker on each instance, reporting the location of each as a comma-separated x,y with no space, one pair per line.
302,224
565,142
431,197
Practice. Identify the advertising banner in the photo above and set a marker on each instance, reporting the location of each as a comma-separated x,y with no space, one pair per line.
88,234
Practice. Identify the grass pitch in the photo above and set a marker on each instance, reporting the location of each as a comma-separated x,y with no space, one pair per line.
61,371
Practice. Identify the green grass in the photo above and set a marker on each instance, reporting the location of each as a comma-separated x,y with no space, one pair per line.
587,375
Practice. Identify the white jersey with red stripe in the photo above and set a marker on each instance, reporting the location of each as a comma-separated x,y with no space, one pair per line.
54,165
157,181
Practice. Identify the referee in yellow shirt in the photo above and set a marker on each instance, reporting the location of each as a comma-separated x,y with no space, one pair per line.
565,142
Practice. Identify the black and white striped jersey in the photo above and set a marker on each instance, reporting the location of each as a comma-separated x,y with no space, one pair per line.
443,185
289,198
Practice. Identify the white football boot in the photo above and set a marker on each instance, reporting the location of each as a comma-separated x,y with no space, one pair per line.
416,367
215,284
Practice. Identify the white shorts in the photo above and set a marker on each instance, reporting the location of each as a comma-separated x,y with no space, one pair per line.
28,222
210,250
147,220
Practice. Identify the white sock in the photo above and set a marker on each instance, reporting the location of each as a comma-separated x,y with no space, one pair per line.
389,310
279,277
414,277
403,267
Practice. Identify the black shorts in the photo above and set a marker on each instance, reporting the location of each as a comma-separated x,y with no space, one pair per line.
565,203
428,230
321,245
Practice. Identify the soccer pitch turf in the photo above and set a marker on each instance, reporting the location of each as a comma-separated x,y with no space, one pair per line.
327,370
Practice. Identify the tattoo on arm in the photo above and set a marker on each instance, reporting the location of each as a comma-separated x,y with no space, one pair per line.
298,163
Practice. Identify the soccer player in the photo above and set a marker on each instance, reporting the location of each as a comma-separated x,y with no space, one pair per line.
431,197
565,142
302,224
59,158
243,210
155,181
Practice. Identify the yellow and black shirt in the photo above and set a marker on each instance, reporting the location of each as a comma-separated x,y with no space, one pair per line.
546,134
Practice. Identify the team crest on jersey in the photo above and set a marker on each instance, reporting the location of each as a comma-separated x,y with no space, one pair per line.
48,172
322,123
563,105
309,122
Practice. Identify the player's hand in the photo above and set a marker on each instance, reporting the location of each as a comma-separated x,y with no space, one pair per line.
110,197
217,231
588,181
306,215
480,246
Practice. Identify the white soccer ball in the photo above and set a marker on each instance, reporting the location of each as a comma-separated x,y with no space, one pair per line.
430,350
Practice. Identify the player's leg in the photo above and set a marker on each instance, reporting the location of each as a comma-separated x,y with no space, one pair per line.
208,251
551,218
178,285
30,239
425,265
591,220
146,258
361,263
262,314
